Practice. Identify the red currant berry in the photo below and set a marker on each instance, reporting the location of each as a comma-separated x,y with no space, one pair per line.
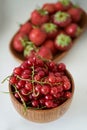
25,98
38,69
13,80
67,85
35,103
37,78
30,97
60,88
49,97
24,91
45,89
61,67
39,62
52,65
24,65
17,71
68,94
54,90
16,95
52,79
57,95
21,83
41,73
49,103
25,76
38,88
29,86
42,101
58,79
57,74
27,71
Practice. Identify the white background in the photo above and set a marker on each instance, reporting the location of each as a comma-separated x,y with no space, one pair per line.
12,13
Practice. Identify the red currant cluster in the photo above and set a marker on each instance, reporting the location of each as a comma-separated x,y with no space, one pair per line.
40,84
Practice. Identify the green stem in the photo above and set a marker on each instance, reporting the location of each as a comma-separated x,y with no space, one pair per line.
34,81
6,92
5,79
23,102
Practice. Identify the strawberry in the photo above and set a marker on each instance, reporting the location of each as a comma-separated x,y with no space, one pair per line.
75,13
39,17
50,7
26,28
63,5
37,36
45,53
18,45
61,18
50,29
50,45
73,30
63,42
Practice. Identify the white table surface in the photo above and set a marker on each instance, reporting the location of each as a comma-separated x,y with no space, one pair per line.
12,13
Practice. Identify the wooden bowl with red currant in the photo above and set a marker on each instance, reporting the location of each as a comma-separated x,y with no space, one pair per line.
51,31
41,90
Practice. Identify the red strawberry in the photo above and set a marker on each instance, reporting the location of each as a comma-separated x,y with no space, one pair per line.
50,45
63,5
45,53
37,36
75,13
17,42
63,42
39,17
50,29
62,19
50,7
73,30
26,28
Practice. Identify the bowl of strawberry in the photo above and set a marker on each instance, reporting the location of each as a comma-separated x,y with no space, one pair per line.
41,90
50,32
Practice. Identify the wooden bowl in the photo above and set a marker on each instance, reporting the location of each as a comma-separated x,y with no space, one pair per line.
59,55
42,116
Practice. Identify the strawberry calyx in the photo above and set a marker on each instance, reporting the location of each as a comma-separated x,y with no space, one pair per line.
42,12
28,47
24,41
50,27
63,40
61,16
79,30
65,2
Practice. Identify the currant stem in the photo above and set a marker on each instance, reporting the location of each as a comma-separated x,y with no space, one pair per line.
34,81
6,92
24,104
7,78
